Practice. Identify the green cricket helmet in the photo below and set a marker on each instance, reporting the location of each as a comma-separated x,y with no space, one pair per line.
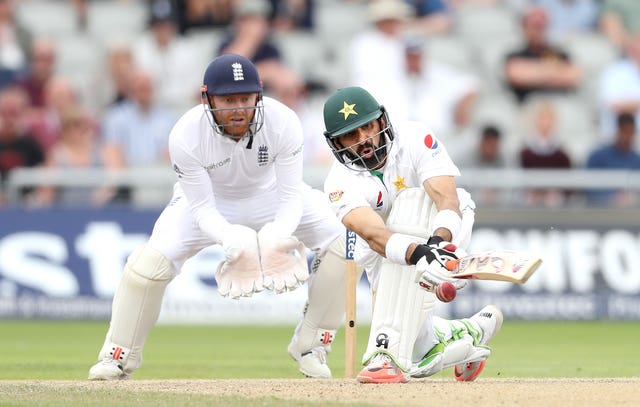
345,111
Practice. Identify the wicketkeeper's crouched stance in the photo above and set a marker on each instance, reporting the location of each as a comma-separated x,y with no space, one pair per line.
238,158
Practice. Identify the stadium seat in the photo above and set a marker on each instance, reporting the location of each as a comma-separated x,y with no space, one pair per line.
450,50
47,18
105,18
479,25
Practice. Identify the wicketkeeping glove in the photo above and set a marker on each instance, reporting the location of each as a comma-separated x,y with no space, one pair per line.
283,259
431,263
239,275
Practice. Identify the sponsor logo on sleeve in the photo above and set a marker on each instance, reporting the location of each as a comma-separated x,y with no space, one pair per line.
431,142
335,196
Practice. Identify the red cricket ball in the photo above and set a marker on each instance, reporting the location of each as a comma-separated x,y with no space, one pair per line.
446,292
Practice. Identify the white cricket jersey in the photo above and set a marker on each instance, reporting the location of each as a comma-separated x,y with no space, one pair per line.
217,174
416,155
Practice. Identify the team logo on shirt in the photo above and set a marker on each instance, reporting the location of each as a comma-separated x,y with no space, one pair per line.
399,183
431,142
379,202
263,155
335,196
347,110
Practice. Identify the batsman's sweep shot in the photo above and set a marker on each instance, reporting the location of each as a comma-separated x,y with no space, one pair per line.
350,307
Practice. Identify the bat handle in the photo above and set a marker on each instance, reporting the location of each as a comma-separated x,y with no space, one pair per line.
452,264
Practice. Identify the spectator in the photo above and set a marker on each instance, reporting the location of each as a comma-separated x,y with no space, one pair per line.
42,68
619,19
195,14
430,17
379,52
290,15
136,132
620,88
543,151
15,42
250,37
17,147
166,56
488,151
44,123
539,66
77,148
570,17
618,155
120,65
440,95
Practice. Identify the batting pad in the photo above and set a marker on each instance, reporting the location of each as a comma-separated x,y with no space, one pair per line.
400,310
136,306
412,213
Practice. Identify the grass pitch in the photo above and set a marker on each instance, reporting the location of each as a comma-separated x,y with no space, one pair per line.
61,350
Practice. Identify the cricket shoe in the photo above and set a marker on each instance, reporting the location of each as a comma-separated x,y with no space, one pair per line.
312,363
381,369
107,369
489,320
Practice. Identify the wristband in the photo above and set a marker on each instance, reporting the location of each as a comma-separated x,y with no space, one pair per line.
447,219
396,248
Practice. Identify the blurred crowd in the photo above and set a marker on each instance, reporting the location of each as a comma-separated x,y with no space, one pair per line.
534,84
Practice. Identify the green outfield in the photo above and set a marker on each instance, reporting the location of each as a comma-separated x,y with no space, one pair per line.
66,350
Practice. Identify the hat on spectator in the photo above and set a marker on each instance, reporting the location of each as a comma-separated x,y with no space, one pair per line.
388,10
162,11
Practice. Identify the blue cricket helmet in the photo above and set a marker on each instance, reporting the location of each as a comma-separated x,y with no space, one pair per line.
231,74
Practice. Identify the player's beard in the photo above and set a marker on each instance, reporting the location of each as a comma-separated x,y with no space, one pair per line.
378,154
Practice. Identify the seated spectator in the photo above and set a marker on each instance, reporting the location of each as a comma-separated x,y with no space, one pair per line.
290,15
619,19
194,14
136,132
539,66
117,77
42,67
379,52
77,148
436,93
488,151
17,147
15,42
620,88
618,155
44,123
250,37
543,151
166,56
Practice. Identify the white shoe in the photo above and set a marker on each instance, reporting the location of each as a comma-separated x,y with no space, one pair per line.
489,320
107,369
313,363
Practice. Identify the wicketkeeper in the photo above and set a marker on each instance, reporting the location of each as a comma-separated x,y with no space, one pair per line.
238,160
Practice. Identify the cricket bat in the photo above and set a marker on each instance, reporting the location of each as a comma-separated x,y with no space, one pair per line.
500,265
350,307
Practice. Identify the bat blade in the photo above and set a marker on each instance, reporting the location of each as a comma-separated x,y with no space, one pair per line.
500,265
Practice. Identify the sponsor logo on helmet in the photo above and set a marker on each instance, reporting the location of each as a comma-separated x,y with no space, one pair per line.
335,196
347,110
238,73
431,142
